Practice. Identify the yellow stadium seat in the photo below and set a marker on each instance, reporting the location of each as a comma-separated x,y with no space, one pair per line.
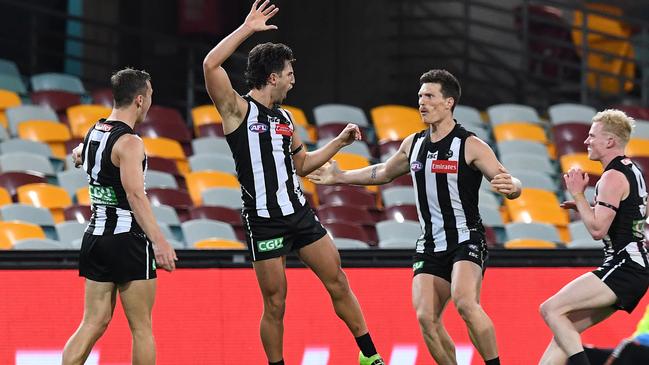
537,205
395,122
82,117
53,133
529,243
309,187
5,198
82,196
637,147
52,197
166,148
351,161
519,131
13,231
205,114
219,244
8,99
198,181
580,160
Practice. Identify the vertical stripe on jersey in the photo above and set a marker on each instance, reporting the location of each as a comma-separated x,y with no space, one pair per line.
294,183
99,219
103,138
437,194
461,232
280,159
111,218
148,264
256,163
419,182
639,179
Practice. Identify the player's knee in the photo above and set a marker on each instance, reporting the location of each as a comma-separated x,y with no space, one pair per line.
338,285
275,306
466,307
546,309
98,324
428,322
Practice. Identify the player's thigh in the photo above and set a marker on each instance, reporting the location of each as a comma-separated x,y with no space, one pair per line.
99,301
137,298
322,257
271,276
466,281
586,318
585,292
430,295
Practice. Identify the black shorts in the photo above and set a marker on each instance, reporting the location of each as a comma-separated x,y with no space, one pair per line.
118,258
274,237
626,278
441,263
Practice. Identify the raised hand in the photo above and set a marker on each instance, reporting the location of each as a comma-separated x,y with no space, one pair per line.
325,175
259,15
502,182
350,134
576,181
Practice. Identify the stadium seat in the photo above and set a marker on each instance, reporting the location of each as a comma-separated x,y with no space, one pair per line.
536,205
201,180
346,230
210,161
5,198
402,213
166,165
222,197
585,244
200,229
532,230
167,130
641,129
223,214
53,197
166,148
58,100
350,161
398,195
211,130
176,198
42,244
53,133
512,113
159,179
70,232
525,243
207,145
534,179
637,147
76,212
517,130
57,81
165,214
359,148
569,112
582,161
205,114
72,180
642,162
9,67
346,214
394,234
12,232
634,111
8,99
219,244
491,216
27,213
569,137
24,113
395,122
325,113
299,117
82,196
103,97
11,180
332,130
26,162
467,115
82,117
517,146
341,196
350,244
13,83
18,145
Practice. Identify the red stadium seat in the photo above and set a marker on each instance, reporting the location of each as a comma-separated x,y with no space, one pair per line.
344,214
169,129
211,130
169,166
12,180
103,97
79,213
347,230
223,214
332,130
356,197
176,198
569,137
57,100
402,212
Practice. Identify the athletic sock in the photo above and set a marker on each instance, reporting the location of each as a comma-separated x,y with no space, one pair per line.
579,358
495,361
280,362
366,345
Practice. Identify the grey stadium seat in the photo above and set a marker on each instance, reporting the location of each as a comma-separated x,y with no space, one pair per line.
200,229
340,113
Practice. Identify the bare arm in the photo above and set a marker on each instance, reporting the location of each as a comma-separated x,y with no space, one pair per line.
480,155
612,189
228,102
307,162
129,153
378,174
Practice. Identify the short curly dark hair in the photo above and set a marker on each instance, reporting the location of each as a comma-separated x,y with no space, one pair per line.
450,87
127,84
265,59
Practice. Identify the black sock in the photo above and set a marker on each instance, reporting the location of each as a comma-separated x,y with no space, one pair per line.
280,362
366,345
579,358
495,361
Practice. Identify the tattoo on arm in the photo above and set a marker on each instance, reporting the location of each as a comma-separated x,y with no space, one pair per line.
373,175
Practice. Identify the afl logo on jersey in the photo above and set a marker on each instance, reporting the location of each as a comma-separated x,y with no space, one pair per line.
416,166
258,128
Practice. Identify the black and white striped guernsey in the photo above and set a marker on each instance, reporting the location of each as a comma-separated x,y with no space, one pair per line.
111,212
626,234
261,147
447,191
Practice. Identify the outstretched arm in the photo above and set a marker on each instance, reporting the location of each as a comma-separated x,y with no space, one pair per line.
480,155
229,103
378,174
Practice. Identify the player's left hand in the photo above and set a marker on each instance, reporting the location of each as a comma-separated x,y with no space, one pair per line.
502,183
576,181
350,134
76,155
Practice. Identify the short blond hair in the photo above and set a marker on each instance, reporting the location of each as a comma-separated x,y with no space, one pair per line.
616,122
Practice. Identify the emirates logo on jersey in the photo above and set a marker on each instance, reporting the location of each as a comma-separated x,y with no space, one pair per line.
443,167
258,128
104,127
416,166
283,129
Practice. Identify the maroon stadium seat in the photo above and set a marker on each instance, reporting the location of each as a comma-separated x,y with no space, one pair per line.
103,97
343,214
347,195
165,115
332,130
177,198
403,180
405,211
211,130
570,137
79,213
389,148
57,100
169,166
169,129
634,111
326,189
223,214
12,180
347,230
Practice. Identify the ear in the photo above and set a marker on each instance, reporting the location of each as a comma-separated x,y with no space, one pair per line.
450,102
272,79
139,100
